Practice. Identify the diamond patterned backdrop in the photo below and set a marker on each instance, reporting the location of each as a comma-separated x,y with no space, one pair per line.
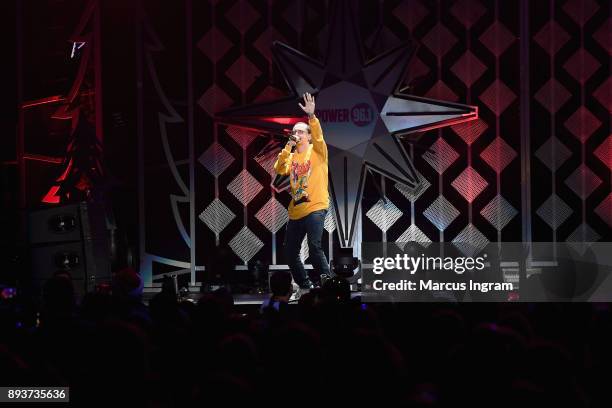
572,104
467,199
469,52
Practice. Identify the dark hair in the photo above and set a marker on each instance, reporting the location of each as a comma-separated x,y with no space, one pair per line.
280,283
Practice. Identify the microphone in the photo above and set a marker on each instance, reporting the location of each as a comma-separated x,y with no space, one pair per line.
293,137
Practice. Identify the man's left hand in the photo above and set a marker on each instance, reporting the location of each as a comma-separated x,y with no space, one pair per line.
309,104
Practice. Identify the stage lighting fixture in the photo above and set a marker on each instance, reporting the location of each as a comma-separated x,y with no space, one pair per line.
345,265
76,48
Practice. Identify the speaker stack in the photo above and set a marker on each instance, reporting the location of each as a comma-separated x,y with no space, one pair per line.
71,238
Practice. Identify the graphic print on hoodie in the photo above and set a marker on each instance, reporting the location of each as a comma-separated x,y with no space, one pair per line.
300,173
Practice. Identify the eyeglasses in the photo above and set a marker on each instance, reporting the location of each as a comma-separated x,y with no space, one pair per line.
299,132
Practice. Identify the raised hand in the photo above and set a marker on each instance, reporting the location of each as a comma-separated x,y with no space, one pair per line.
309,104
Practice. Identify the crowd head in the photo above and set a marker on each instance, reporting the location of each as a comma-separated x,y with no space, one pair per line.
328,348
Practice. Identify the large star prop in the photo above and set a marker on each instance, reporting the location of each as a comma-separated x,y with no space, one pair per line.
362,112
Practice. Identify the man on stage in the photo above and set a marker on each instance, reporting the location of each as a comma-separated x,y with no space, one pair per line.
307,171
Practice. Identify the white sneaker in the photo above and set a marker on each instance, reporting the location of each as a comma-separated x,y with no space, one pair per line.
298,294
324,278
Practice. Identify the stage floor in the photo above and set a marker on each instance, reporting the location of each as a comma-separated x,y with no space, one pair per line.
239,298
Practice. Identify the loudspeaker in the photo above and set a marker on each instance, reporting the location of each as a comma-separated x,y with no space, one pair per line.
74,238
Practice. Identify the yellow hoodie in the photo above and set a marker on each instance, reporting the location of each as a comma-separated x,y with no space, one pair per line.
307,173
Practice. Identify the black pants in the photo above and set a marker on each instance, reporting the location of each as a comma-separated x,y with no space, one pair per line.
311,225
